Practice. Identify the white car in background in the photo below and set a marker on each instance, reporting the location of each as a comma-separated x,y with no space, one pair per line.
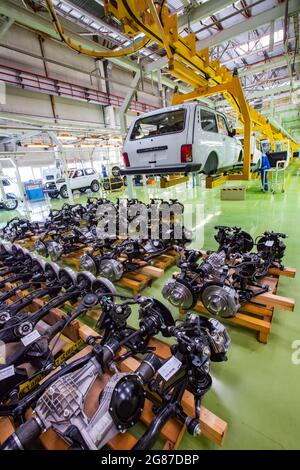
186,138
12,194
80,180
255,152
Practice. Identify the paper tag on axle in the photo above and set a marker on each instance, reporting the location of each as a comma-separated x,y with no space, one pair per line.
7,372
170,368
30,338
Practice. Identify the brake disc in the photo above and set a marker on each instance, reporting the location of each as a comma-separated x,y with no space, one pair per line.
55,250
41,248
67,277
38,264
51,271
220,300
164,312
111,268
86,280
179,294
88,263
103,286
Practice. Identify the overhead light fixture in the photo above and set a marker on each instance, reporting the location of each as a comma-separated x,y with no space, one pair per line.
37,145
66,137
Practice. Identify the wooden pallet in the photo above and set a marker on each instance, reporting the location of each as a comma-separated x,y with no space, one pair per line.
258,314
137,280
212,427
166,260
27,242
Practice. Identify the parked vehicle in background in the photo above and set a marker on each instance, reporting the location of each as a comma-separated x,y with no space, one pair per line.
80,180
12,194
255,152
185,138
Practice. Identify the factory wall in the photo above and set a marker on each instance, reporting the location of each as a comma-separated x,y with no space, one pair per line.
83,73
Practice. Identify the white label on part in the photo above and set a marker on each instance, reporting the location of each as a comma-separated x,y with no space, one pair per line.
170,368
30,338
269,243
7,372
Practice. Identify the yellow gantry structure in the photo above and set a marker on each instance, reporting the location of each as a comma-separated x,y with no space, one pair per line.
192,66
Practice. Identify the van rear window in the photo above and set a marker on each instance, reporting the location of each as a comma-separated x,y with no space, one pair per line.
159,124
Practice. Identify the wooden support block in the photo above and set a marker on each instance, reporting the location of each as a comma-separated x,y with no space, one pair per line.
287,272
214,181
242,319
256,310
152,271
274,300
6,428
85,331
251,322
122,442
263,337
135,281
164,261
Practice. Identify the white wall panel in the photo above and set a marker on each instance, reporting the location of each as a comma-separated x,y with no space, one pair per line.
27,102
78,110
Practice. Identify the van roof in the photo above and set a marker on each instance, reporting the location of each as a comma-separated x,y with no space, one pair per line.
190,104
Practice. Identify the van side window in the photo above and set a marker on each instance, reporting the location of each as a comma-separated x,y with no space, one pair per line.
208,121
222,125
78,173
89,171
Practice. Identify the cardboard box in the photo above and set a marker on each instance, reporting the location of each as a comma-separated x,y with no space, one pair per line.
233,193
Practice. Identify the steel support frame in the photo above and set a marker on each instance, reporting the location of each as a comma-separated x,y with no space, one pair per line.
127,101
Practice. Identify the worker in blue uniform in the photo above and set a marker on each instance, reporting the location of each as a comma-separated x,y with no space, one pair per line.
265,166
104,171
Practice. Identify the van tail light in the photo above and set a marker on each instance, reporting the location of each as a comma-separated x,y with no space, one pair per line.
126,159
251,157
186,153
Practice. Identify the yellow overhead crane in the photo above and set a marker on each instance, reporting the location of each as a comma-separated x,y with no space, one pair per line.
207,77
192,66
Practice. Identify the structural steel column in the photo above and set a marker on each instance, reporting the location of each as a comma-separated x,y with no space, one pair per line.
127,100
123,109
61,153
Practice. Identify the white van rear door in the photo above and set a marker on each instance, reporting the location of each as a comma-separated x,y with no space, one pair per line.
155,141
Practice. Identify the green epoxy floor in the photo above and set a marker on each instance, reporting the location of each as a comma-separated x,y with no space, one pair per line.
257,391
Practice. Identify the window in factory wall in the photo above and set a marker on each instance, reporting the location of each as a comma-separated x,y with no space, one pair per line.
26,173
37,173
